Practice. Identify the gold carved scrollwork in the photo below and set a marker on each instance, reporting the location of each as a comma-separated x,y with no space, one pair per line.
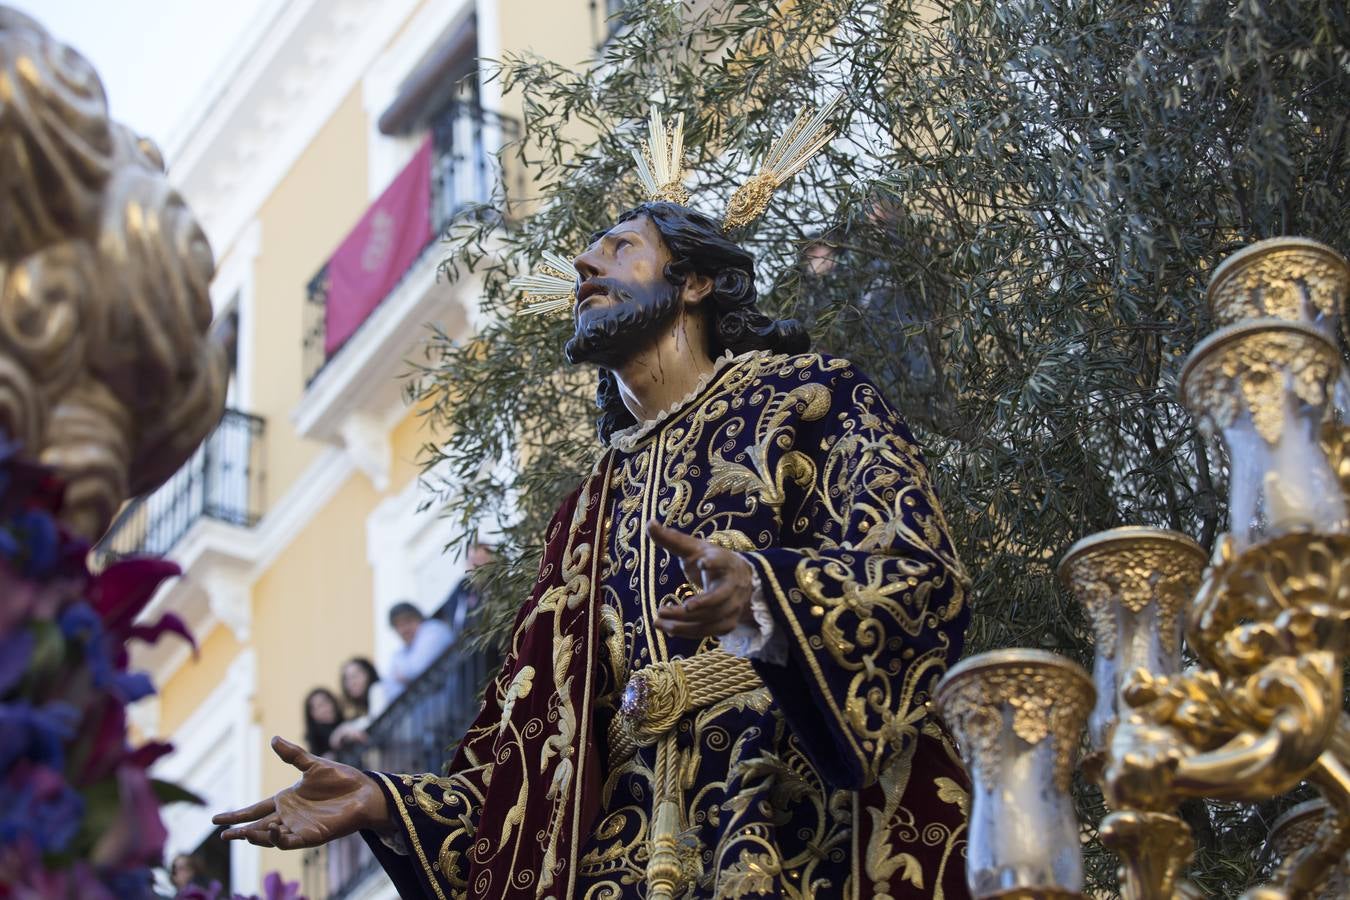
1133,567
107,368
1047,696
1336,444
1297,839
1286,596
1281,278
1296,828
1242,369
1271,625
1155,849
750,201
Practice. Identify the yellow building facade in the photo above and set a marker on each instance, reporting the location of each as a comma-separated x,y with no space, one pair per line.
296,525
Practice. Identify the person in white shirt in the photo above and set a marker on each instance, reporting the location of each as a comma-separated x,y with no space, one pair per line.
423,641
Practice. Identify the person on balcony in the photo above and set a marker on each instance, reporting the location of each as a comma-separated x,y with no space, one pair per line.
465,596
718,685
424,640
187,870
323,716
363,693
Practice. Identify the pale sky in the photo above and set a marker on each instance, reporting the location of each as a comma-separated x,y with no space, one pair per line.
156,57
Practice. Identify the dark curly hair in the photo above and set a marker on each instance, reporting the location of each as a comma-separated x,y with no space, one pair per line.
697,246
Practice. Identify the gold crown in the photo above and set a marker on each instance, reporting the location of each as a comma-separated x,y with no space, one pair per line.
660,169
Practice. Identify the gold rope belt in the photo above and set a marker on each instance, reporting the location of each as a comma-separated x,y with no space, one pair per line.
654,700
658,695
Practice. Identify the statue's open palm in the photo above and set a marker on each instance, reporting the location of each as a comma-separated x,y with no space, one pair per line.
329,801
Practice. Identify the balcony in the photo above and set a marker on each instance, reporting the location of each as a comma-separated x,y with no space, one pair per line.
222,481
413,734
463,173
368,307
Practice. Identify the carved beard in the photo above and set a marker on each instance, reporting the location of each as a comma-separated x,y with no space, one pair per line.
636,314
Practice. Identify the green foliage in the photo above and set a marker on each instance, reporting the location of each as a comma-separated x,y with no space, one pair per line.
1012,235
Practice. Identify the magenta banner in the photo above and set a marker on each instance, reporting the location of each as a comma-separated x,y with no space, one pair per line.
371,260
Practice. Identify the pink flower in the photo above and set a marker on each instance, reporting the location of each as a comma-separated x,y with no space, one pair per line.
122,590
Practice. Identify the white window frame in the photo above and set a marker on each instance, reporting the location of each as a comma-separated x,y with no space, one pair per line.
233,289
217,756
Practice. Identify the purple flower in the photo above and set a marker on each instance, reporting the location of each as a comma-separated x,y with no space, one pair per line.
276,889
66,632
131,884
197,892
37,805
80,623
26,599
24,876
122,590
36,733
31,542
16,650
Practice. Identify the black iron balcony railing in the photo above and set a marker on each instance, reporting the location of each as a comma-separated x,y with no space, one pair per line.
412,734
223,480
463,170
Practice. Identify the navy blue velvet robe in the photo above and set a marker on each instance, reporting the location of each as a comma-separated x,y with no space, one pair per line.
829,779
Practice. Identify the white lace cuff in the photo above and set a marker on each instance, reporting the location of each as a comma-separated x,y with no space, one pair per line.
394,842
762,640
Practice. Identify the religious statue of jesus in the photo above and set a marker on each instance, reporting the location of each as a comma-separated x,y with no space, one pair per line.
718,685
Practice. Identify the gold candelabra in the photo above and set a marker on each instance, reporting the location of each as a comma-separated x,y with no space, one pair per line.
1265,617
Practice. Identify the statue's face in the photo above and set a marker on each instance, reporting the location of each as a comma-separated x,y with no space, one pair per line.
623,297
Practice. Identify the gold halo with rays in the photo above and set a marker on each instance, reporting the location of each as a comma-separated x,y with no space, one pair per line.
552,288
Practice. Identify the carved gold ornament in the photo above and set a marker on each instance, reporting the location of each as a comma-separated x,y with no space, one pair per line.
1271,625
1246,596
1133,567
1281,278
1294,838
1336,444
1154,849
1251,368
108,371
1268,622
1036,695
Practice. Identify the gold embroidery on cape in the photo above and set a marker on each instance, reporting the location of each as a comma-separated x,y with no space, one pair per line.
744,451
427,869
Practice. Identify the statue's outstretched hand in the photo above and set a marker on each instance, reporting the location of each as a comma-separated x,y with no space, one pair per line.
329,801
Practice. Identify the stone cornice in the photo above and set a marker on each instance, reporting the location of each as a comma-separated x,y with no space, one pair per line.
289,75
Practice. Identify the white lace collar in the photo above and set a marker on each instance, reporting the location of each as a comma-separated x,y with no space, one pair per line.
625,439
